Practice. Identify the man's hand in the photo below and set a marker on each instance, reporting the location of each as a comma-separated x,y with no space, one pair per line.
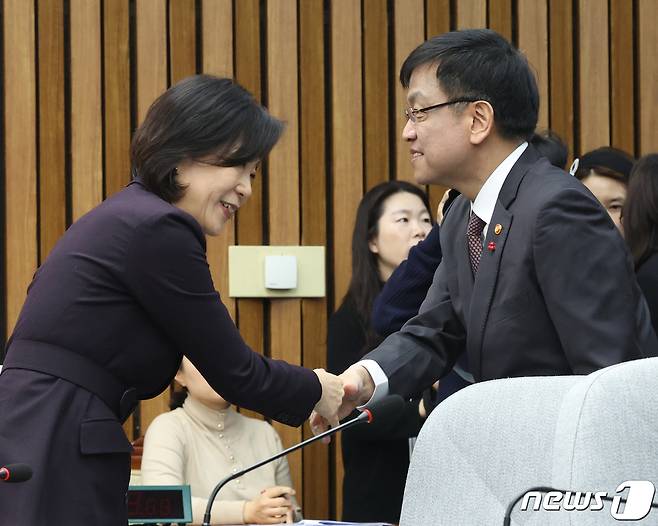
358,388
332,395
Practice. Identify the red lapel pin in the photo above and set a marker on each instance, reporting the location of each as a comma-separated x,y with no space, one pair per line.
491,246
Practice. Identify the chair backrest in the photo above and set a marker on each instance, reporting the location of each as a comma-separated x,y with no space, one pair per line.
490,442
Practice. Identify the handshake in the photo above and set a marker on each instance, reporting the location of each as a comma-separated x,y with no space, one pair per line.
340,396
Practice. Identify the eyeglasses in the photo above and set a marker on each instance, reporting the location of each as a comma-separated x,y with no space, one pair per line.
420,114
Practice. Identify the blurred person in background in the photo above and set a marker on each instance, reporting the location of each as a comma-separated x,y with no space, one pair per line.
392,217
202,440
640,219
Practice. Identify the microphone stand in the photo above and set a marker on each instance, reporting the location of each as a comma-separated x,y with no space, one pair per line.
364,417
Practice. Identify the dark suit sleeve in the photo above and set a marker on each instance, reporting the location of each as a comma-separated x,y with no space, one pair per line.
405,290
647,277
168,273
587,298
426,347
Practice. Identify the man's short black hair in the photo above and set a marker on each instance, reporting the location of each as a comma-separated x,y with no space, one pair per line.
481,64
201,117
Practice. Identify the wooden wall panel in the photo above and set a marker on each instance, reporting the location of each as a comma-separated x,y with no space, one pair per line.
116,49
313,177
409,33
52,132
622,96
330,69
86,120
471,14
648,76
284,198
248,57
594,78
376,92
151,20
20,154
533,41
561,70
217,59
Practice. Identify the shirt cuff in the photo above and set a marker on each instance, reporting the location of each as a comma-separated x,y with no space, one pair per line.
379,378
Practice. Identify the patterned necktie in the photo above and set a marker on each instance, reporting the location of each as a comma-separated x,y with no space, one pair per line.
474,235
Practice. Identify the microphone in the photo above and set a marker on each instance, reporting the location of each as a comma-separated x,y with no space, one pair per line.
15,473
385,408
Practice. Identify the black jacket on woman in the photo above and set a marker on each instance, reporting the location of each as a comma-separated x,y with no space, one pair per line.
106,320
375,456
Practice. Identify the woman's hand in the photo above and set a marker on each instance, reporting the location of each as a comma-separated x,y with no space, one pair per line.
332,396
272,506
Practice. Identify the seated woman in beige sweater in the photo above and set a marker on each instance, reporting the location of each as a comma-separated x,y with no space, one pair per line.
205,440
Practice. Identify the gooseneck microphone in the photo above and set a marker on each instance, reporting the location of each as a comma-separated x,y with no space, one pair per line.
15,473
385,408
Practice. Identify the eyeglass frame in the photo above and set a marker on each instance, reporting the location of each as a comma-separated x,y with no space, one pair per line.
412,114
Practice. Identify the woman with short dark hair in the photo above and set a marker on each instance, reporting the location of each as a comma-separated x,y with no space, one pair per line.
124,292
641,228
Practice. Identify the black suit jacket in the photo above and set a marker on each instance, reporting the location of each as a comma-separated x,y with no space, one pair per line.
128,289
555,292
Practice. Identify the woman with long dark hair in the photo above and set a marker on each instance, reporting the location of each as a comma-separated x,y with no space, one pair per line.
392,217
124,293
640,220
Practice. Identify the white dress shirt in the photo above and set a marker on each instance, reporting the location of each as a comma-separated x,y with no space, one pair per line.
483,206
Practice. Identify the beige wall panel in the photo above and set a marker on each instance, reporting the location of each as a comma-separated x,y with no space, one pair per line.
500,17
648,77
409,34
151,20
116,49
52,133
285,315
86,117
20,157
533,41
594,78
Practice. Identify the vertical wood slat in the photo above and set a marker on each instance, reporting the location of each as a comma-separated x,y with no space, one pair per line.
561,70
52,133
313,177
217,57
116,49
151,20
249,231
648,76
282,92
594,79
182,39
500,17
533,41
86,119
20,155
471,14
347,156
437,21
409,33
375,92
622,71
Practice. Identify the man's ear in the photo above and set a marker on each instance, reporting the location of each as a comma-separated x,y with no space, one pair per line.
482,123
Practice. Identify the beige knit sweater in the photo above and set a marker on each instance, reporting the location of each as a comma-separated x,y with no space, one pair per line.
199,446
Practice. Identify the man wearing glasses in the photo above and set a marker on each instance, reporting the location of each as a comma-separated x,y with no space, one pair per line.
535,278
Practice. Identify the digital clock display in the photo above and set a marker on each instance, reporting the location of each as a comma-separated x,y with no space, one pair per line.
159,504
